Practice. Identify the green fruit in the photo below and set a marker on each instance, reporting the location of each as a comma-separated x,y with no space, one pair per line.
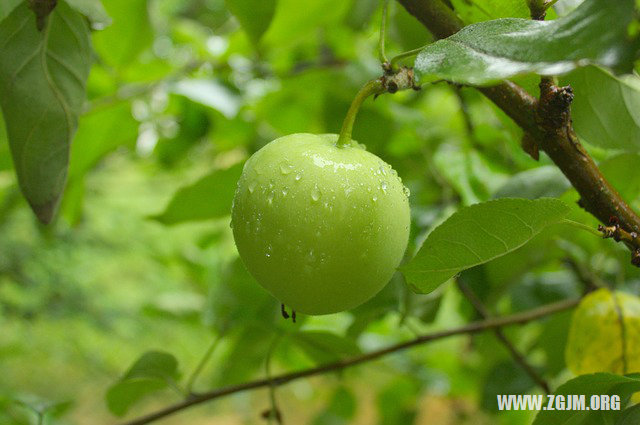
321,227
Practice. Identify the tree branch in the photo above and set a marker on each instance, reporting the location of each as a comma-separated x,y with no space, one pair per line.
276,381
547,122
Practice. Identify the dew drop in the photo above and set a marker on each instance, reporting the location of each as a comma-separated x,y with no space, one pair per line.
252,186
298,177
347,191
375,198
286,168
270,198
406,191
285,190
269,251
383,186
382,170
315,193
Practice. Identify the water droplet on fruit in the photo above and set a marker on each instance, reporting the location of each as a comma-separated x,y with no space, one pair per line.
383,186
269,250
375,198
383,170
315,193
286,168
252,186
270,198
298,176
406,191
285,190
347,191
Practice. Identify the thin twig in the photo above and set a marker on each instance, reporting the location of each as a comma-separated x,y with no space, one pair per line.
518,318
383,32
203,361
517,356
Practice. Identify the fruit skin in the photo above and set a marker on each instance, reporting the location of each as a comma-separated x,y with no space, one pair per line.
321,227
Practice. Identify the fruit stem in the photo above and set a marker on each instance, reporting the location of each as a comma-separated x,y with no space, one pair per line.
371,88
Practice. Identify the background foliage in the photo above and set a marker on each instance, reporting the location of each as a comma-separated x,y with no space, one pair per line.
109,310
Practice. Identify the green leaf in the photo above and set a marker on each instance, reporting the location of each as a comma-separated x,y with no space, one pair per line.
606,109
472,11
131,33
324,347
94,10
152,372
7,6
254,15
486,52
596,337
478,234
541,182
623,173
42,89
598,383
210,197
630,416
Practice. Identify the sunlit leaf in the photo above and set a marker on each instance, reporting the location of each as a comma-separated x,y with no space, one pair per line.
486,52
596,338
477,234
42,88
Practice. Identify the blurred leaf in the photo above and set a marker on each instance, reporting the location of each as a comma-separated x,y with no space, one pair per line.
41,107
210,197
542,182
504,378
238,300
595,341
194,124
623,173
254,15
478,234
340,409
536,290
553,341
324,347
131,33
630,416
606,108
397,402
101,131
5,154
7,6
152,372
484,10
290,26
209,93
361,13
94,10
487,52
598,383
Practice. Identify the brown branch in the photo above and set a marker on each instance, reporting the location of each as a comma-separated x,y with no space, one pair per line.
547,121
517,355
276,381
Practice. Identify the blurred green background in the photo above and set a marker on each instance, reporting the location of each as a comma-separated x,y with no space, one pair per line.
180,92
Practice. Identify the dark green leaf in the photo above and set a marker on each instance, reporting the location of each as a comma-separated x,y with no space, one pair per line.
598,383
478,234
152,372
486,52
504,378
541,182
630,416
254,15
623,173
42,89
606,109
324,347
209,197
